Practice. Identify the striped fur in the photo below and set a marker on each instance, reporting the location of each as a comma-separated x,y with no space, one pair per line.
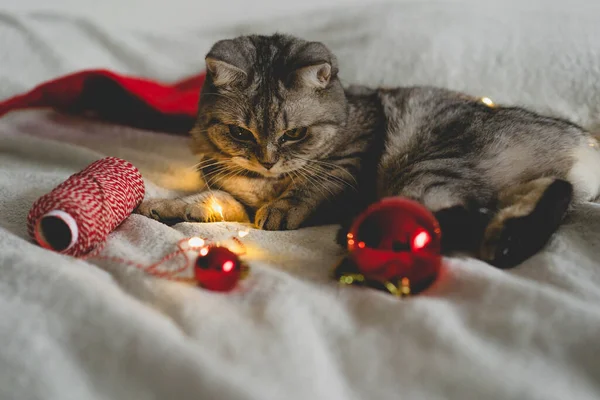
450,151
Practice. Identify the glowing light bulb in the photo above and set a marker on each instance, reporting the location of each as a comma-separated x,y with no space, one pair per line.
405,286
361,245
219,210
228,266
243,233
204,251
487,101
216,208
196,242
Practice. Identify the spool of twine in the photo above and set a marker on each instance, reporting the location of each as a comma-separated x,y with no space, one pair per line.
79,214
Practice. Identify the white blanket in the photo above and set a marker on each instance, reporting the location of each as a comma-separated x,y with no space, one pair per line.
73,329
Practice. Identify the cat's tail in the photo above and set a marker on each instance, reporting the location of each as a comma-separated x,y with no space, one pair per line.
594,130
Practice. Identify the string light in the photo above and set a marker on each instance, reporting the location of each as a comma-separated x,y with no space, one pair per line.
222,275
243,233
216,208
349,279
487,101
195,242
405,286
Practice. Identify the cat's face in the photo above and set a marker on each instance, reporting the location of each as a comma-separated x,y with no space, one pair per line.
269,105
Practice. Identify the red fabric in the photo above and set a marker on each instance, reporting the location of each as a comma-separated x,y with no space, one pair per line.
128,100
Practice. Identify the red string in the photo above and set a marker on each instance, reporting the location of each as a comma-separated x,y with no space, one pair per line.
155,270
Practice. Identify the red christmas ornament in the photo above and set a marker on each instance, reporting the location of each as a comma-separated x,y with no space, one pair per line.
395,243
218,268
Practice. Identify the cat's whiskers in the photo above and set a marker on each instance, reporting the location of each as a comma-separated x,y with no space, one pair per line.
215,172
217,165
205,164
306,177
231,174
334,179
330,177
291,175
326,180
327,175
308,174
226,166
325,163
317,180
221,166
212,177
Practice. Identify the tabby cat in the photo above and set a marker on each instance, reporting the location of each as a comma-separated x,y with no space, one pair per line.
284,145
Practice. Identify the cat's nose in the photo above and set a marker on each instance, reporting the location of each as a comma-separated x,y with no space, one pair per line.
267,165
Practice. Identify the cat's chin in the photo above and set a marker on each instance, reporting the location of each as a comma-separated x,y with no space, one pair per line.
267,174
264,173
257,170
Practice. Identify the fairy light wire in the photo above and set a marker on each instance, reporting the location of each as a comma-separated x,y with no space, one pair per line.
186,247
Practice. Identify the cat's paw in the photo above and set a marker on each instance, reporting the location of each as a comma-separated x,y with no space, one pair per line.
215,206
462,228
522,229
163,210
281,215
209,206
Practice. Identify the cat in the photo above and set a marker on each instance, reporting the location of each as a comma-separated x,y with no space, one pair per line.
283,144
280,141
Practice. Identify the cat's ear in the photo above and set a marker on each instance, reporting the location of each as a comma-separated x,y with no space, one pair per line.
316,76
222,73
314,65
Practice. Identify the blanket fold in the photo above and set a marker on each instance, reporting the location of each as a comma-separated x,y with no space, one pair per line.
132,101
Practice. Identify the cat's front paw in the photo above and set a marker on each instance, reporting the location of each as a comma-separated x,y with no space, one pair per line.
215,206
209,206
281,215
163,210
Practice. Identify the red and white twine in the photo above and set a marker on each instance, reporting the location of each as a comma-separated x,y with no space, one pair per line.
92,203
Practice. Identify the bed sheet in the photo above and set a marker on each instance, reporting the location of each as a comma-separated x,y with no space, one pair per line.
76,329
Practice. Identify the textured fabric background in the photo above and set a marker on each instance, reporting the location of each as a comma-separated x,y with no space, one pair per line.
77,330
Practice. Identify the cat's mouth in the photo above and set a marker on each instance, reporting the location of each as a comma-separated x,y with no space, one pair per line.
273,171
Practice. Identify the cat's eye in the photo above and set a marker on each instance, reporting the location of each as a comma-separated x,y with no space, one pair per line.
294,134
241,134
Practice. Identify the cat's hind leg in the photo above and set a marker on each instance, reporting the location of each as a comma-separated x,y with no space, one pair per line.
207,206
460,200
528,215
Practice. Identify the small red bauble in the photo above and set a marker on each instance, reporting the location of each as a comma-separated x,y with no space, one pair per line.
218,269
395,242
